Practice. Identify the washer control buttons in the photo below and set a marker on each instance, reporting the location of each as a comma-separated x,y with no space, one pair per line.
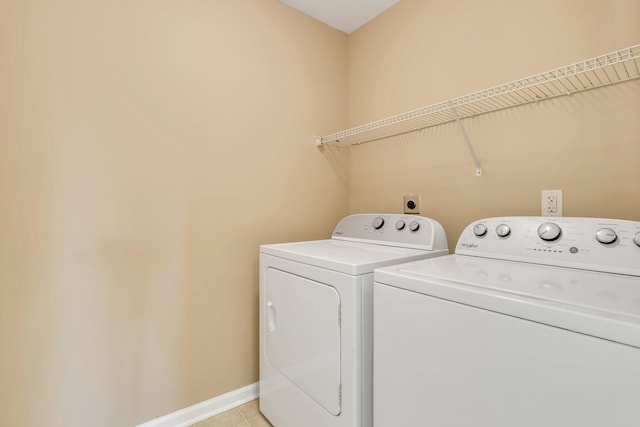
503,230
606,236
414,225
479,230
636,238
400,224
549,231
378,222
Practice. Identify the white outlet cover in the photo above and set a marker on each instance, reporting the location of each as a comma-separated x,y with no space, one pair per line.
551,203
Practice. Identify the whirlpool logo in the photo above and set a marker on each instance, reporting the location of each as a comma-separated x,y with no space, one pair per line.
469,245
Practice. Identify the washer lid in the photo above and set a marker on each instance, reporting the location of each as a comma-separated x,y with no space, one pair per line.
600,304
346,257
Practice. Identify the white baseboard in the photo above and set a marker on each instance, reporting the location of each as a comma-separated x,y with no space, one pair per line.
208,408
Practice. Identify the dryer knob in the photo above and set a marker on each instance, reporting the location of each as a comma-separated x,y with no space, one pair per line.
503,230
400,224
606,236
479,230
414,225
636,238
378,222
549,231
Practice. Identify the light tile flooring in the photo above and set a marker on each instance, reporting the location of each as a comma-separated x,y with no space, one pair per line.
247,415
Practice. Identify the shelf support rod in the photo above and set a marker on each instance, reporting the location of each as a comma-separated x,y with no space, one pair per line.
466,139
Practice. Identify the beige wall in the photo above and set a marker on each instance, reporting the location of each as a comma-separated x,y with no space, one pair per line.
421,52
146,149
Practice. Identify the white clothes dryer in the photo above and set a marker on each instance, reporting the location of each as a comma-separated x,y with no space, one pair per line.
532,322
315,317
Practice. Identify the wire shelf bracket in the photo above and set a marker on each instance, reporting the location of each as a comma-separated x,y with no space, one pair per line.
604,70
466,139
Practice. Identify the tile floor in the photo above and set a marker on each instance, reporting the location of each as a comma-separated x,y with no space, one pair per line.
247,415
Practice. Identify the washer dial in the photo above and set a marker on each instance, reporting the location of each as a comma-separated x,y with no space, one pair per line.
479,230
378,222
503,230
414,225
606,236
400,224
636,238
549,231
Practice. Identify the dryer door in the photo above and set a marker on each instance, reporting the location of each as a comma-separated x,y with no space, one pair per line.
303,335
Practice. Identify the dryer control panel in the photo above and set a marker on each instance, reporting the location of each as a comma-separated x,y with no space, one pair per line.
598,244
407,231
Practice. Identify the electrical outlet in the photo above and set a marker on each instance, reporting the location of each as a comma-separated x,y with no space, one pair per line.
412,204
551,203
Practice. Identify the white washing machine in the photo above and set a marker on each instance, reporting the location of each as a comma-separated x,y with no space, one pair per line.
532,322
315,317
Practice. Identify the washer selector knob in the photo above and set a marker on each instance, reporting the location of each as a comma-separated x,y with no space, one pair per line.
503,230
606,236
400,224
479,230
636,238
414,225
378,222
549,231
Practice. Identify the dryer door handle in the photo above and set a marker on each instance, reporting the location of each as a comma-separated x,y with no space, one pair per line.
271,316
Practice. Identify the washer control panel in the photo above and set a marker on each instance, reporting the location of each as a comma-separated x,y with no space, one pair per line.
409,231
607,245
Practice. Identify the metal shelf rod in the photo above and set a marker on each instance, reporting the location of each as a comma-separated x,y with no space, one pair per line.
615,67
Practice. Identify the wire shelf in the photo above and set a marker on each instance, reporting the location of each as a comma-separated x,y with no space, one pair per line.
603,70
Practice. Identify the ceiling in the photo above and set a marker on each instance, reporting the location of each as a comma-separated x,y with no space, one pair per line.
345,15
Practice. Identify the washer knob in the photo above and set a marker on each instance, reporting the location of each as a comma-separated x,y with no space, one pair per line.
549,231
503,230
606,236
414,225
378,222
400,224
479,230
636,238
